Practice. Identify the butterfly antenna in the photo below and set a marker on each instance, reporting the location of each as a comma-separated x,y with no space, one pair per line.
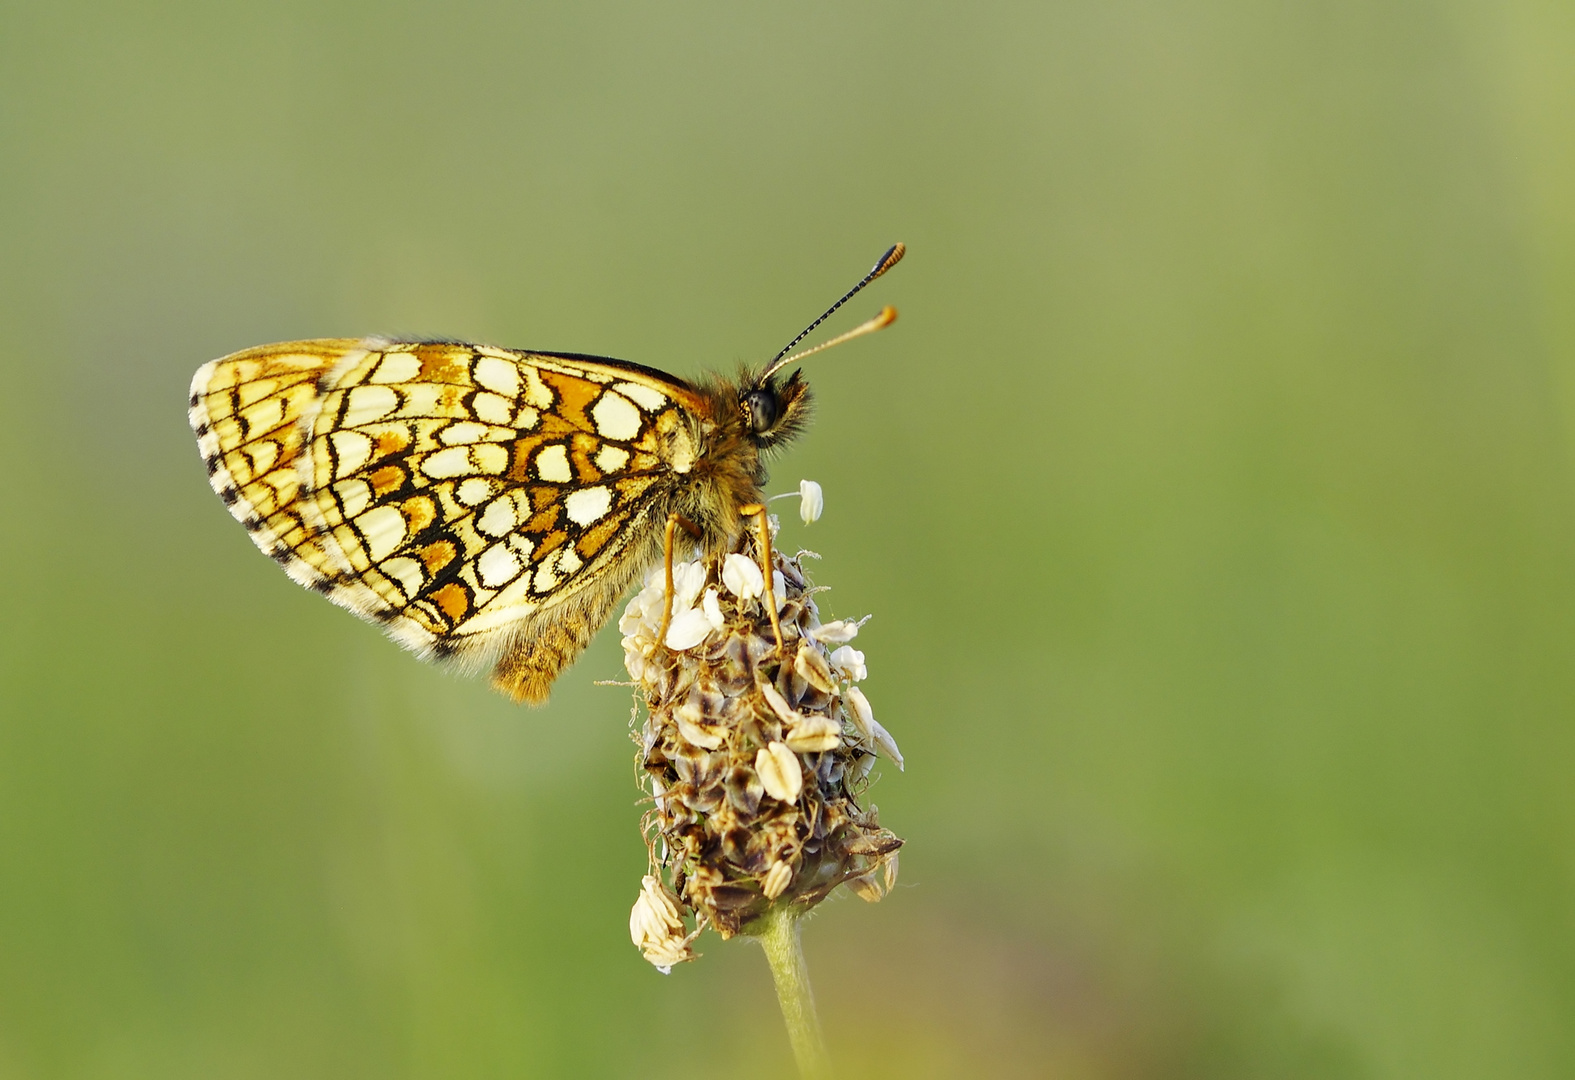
883,319
892,257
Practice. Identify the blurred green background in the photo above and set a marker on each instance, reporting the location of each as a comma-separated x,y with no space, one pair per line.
1213,499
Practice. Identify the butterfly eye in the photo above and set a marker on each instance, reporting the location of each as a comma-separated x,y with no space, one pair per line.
761,409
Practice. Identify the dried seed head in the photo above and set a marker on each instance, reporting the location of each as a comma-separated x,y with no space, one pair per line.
756,757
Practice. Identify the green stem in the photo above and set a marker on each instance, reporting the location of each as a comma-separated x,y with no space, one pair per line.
779,937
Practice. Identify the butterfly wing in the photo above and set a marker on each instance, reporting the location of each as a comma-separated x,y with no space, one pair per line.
247,411
451,492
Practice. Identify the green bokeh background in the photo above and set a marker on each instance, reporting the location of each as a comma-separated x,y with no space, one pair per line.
1213,499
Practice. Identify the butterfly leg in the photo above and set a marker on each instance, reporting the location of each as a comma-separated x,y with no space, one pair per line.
674,523
763,525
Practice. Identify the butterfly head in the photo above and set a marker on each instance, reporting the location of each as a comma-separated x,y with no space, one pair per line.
774,412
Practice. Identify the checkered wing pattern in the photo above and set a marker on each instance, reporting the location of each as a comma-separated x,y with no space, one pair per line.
447,491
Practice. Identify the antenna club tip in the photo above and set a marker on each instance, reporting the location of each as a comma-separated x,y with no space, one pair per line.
887,316
892,257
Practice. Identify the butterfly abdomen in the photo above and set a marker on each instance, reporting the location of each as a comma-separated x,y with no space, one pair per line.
546,644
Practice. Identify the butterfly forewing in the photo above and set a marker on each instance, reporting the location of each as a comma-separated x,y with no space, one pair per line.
446,490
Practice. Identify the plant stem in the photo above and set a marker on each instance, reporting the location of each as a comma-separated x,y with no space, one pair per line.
778,931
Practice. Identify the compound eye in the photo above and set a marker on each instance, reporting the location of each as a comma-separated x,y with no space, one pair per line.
760,407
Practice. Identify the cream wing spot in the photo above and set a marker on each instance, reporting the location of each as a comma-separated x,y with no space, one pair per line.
497,375
253,392
226,433
474,491
527,418
465,431
447,464
555,568
498,566
643,396
263,456
406,573
366,404
492,408
611,458
507,607
264,416
423,399
616,417
680,449
382,530
552,464
354,496
538,394
396,367
499,518
568,561
351,451
588,504
488,457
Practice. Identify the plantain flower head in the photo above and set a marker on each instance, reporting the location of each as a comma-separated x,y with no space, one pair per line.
757,758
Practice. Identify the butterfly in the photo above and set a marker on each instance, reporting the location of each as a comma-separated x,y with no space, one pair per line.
490,506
